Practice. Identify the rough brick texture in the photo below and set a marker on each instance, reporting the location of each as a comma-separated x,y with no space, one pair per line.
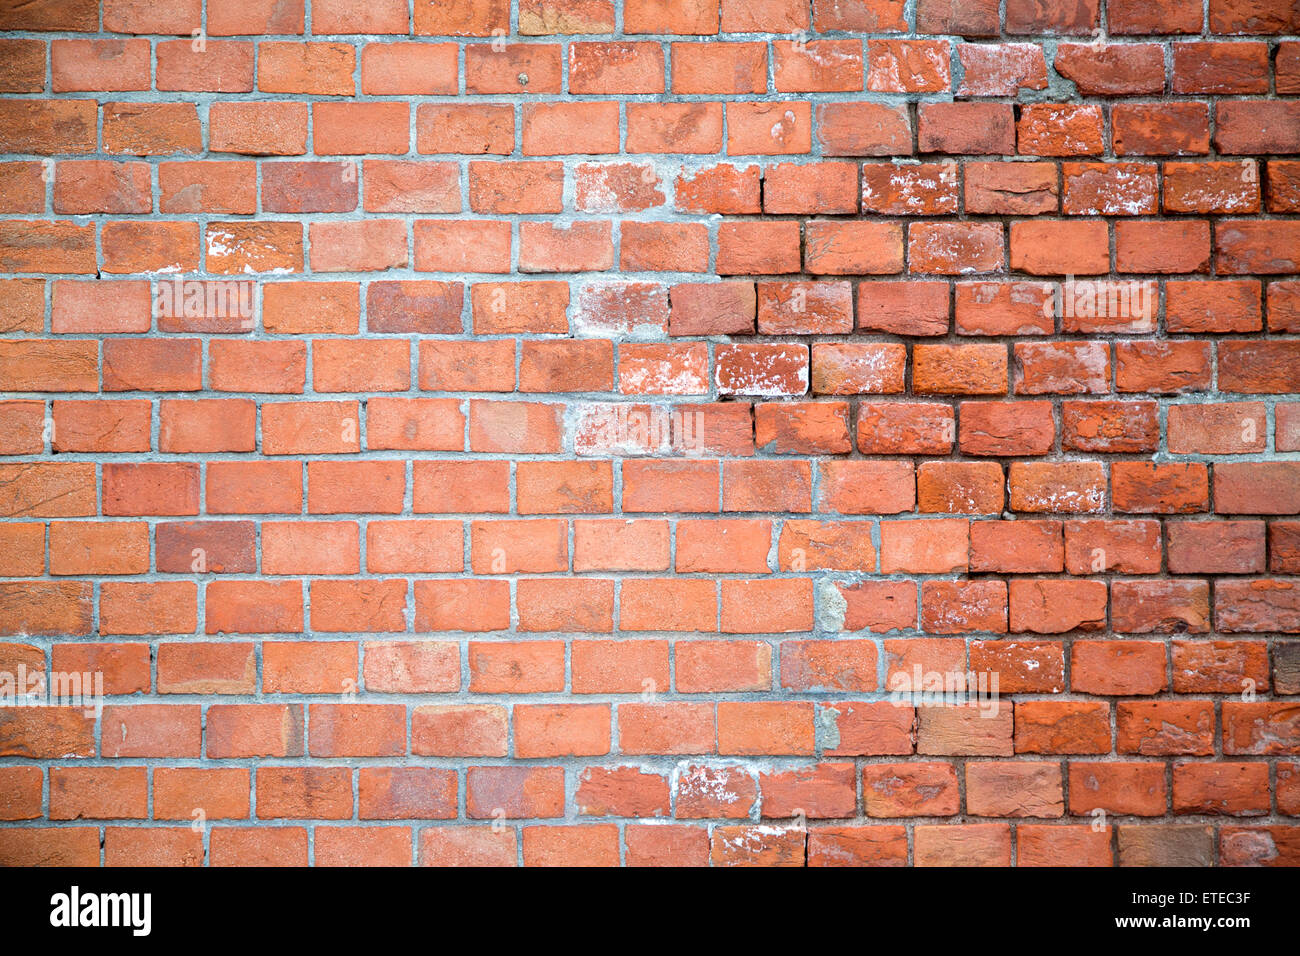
593,432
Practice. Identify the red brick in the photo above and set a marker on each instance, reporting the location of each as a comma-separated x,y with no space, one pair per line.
765,728
662,16
1111,189
571,846
1024,16
960,487
963,607
25,69
1062,727
1004,308
471,130
964,729
1158,728
1060,130
863,129
544,17
828,665
468,846
1068,368
253,607
1237,789
768,128
409,68
927,189
622,792
1001,70
857,369
1020,547
908,66
459,731
98,793
1014,789
704,667
1163,367
1123,668
403,793
258,846
1160,129
615,67
910,790
778,16
871,728
1011,188
674,127
1166,16
952,248
1046,606
1212,187
527,666
302,667
959,369
247,730
1131,789
1270,128
361,846
555,129
47,733
1213,667
967,844
1045,845
1113,69
30,125
515,68
109,64
853,248
1258,728
1006,428
717,68
1097,546
927,546
206,668
254,487
297,792
670,486
1077,487
891,428
1060,248
1110,426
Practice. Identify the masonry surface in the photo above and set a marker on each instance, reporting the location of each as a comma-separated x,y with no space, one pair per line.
721,432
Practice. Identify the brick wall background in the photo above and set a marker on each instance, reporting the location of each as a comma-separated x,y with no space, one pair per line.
546,432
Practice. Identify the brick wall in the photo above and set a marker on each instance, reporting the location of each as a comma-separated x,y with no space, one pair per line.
562,431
